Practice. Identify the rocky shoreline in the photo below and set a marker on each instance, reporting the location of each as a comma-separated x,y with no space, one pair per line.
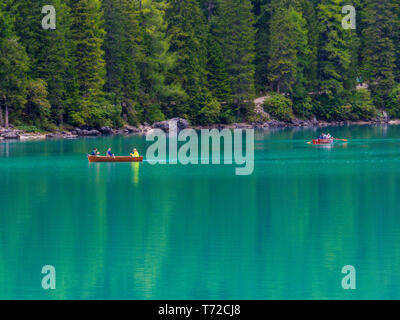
16,134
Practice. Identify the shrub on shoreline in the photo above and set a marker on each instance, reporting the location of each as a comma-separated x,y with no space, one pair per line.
279,107
393,103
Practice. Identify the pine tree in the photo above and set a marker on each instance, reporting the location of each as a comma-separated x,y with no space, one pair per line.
218,80
121,49
87,34
209,8
396,40
379,52
49,50
234,31
307,9
188,33
288,47
6,27
258,6
155,63
262,46
14,67
6,20
334,53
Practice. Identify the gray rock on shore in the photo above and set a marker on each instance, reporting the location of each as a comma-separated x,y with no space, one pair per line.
61,135
86,133
121,132
132,129
106,131
243,126
10,134
91,133
164,125
145,128
275,124
304,123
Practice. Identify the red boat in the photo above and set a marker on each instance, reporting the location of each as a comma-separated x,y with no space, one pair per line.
322,141
114,159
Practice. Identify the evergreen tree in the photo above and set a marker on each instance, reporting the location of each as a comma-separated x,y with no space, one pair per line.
6,27
188,33
307,9
288,48
396,40
218,81
258,6
334,53
235,32
6,20
14,66
49,50
121,49
262,45
154,63
88,58
209,8
379,52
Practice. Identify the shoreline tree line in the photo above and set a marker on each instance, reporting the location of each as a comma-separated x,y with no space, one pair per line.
116,62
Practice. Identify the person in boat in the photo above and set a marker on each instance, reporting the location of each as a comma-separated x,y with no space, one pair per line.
109,153
328,136
95,152
322,136
135,153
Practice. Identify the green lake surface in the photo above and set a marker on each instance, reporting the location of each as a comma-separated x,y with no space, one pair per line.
142,231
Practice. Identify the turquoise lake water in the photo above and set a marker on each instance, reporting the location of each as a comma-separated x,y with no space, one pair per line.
141,231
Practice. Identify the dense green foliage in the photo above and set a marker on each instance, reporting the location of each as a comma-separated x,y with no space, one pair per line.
393,105
121,46
379,50
234,30
279,107
116,62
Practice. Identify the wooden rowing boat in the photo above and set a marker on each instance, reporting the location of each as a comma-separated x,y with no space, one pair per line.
322,141
114,159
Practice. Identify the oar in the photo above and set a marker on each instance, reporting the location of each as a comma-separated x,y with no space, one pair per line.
345,140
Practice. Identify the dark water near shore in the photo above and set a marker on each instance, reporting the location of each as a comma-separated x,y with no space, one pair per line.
137,231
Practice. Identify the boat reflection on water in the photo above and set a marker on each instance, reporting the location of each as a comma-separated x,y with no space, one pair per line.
109,170
135,172
330,146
